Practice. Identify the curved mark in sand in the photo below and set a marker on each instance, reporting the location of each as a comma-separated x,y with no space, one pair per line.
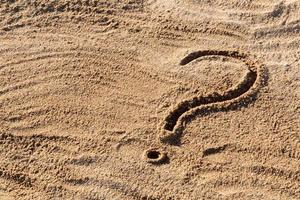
237,96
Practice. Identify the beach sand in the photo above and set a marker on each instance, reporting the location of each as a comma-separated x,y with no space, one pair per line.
150,99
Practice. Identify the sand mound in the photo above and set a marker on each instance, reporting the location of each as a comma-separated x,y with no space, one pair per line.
158,99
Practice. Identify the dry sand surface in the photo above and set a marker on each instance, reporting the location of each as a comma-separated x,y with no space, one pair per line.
153,99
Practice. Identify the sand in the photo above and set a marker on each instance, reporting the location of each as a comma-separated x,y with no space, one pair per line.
149,99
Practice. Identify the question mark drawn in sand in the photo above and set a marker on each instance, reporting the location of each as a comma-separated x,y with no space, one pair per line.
171,129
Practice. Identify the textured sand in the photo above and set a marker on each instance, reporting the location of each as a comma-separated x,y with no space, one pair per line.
153,99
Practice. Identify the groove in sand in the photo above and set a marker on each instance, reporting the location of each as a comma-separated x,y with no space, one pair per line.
187,110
